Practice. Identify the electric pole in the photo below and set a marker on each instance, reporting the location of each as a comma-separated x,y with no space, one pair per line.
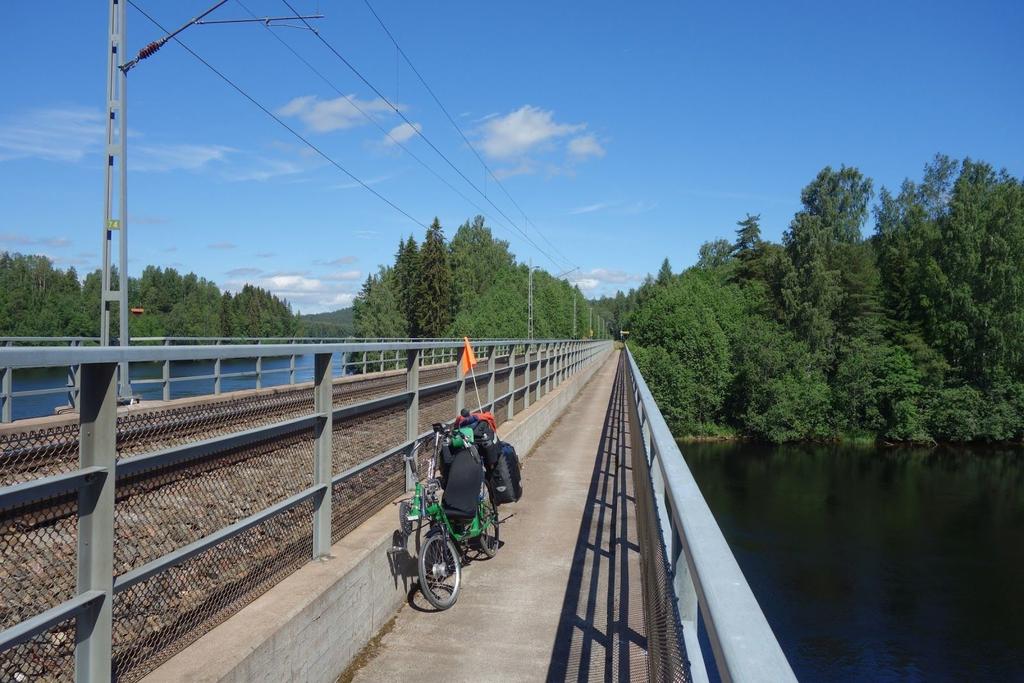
529,305
116,189
116,180
574,312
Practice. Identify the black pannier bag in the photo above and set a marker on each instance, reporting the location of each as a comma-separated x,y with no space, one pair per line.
505,479
462,483
487,443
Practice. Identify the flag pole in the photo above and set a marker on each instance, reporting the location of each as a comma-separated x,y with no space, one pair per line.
469,359
479,405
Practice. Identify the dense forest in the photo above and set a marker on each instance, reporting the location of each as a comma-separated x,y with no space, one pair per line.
915,333
471,286
337,323
37,299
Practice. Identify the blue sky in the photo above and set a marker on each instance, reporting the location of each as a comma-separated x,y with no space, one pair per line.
626,131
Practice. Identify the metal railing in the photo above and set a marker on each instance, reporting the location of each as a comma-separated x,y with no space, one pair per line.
113,563
689,565
164,375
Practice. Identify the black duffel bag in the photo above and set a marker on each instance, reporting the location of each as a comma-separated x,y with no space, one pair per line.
505,479
462,483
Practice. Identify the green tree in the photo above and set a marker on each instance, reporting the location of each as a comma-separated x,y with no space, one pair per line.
813,292
434,287
477,260
376,310
407,269
714,254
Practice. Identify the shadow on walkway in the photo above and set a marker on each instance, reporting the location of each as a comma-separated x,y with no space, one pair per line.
601,633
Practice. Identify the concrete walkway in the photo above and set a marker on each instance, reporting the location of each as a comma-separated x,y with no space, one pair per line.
561,599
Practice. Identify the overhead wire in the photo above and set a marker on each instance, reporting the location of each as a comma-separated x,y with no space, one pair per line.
355,105
458,128
419,132
276,118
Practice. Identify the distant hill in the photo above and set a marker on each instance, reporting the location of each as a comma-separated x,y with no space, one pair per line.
331,324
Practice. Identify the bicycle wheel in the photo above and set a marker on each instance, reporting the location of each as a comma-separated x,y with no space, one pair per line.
440,571
489,540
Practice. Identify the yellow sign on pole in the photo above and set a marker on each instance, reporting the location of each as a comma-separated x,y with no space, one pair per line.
114,224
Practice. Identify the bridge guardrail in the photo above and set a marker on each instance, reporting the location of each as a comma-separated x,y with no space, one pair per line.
110,567
689,565
354,363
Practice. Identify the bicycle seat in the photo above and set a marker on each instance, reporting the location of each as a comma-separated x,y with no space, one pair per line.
454,513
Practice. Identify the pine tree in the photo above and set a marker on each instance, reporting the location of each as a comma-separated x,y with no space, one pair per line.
406,275
747,249
664,273
434,286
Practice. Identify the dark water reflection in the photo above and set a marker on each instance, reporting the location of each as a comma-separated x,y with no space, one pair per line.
879,564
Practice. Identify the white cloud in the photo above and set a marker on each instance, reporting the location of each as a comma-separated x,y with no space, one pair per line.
340,261
603,278
521,169
585,147
324,116
55,134
522,131
261,170
29,241
161,158
591,208
344,276
222,245
402,132
308,294
243,272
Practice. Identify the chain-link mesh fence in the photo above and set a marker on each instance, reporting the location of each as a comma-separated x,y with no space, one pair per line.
436,407
157,618
161,509
667,659
164,509
32,453
48,657
501,383
38,542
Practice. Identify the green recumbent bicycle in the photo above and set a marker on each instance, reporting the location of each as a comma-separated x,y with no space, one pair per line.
449,532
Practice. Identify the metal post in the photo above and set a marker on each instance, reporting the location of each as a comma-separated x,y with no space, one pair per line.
412,413
491,364
291,369
97,448
259,372
216,373
529,312
117,160
6,388
165,373
551,355
460,397
526,380
324,408
74,378
511,381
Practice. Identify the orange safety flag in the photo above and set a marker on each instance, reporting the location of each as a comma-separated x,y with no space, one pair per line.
468,358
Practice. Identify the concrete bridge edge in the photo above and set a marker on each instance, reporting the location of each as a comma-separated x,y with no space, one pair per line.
311,625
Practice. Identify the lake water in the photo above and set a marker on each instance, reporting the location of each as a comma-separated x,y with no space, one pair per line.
878,564
47,378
